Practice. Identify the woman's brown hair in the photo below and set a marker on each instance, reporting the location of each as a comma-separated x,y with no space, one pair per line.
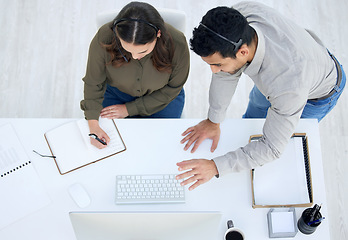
138,23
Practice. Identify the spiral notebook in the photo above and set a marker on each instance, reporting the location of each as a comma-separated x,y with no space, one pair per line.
22,192
71,146
287,181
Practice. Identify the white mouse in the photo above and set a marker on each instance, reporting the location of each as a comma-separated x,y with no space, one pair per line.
79,195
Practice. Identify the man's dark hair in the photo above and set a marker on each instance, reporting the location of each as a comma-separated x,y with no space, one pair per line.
224,21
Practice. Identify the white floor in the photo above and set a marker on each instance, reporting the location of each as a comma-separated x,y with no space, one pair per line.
43,53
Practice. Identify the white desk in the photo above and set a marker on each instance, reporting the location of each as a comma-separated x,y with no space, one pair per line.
153,146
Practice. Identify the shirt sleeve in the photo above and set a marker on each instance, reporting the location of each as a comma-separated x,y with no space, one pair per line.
280,123
157,100
222,88
94,81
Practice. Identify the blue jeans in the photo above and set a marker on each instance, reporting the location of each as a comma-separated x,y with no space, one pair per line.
174,109
258,104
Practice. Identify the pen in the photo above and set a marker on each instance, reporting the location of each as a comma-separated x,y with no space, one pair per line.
317,212
315,221
317,209
97,138
313,213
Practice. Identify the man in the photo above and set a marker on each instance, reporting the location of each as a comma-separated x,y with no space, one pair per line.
294,75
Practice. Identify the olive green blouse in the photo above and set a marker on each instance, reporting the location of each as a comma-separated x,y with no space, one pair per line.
139,78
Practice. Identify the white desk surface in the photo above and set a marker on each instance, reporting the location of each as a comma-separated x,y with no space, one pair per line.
153,146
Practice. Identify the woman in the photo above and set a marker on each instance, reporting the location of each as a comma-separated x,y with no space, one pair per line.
137,66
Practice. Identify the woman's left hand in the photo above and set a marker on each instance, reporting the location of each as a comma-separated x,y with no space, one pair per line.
114,111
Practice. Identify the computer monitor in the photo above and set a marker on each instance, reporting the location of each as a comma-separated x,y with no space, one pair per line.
146,225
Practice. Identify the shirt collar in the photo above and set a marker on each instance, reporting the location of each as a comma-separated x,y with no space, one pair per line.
254,67
144,59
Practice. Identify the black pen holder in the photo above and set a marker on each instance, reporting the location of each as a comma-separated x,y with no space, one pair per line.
303,225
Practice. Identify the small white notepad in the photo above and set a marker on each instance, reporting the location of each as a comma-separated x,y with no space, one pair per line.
22,192
283,222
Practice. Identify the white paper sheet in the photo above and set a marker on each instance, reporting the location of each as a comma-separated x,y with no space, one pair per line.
283,181
282,222
21,190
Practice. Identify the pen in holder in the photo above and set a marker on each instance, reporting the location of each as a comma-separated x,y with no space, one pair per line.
310,220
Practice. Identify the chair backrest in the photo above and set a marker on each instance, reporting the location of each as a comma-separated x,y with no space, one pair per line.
176,18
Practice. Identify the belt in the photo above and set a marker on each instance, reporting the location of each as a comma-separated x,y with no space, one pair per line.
339,79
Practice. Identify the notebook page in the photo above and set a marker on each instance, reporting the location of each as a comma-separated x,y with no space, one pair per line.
8,159
71,145
67,145
21,188
283,181
115,144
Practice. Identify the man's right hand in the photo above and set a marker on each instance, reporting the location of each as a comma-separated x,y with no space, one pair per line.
204,129
96,129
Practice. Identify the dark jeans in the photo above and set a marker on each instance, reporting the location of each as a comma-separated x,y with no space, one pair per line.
174,109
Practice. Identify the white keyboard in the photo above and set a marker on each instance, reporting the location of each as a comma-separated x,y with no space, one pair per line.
139,189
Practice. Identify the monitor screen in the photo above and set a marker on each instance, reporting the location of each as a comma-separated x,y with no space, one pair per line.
146,225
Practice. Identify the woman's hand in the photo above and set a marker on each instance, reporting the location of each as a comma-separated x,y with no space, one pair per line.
114,111
96,129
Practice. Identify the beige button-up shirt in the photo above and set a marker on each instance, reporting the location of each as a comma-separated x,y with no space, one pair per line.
289,67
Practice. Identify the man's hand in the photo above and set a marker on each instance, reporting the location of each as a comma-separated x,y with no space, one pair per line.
114,111
95,128
204,129
199,171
